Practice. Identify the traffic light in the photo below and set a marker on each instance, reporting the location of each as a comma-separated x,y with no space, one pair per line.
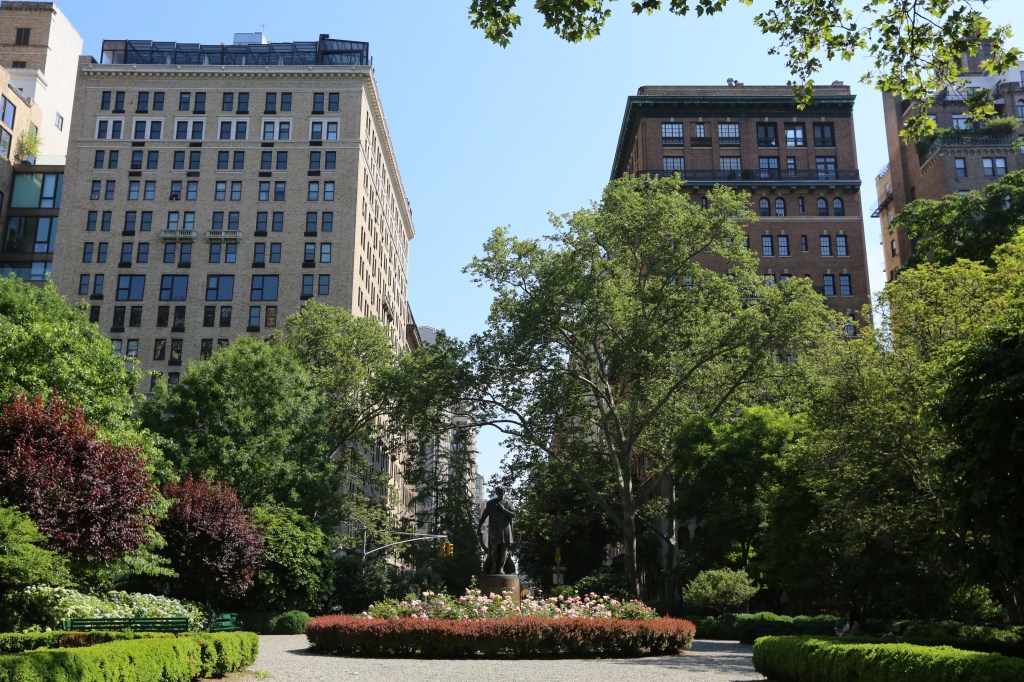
447,548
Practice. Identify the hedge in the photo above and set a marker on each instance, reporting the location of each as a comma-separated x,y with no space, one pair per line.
512,636
746,627
183,658
830,659
16,642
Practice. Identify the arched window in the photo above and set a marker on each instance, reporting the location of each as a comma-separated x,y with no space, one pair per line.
822,206
780,206
1020,108
837,207
764,206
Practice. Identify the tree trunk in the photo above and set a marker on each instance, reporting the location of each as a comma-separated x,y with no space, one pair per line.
629,534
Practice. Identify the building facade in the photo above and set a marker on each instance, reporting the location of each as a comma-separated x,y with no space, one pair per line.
799,167
211,189
961,158
40,50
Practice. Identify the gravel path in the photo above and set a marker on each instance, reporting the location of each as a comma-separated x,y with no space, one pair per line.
286,657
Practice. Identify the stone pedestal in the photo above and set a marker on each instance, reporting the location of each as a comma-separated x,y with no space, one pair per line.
500,584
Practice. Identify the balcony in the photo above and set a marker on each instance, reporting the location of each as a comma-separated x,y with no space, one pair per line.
767,142
728,141
880,205
824,142
962,138
700,141
222,235
673,141
178,235
763,176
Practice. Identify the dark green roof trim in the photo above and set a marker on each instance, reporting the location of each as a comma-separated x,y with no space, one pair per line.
639,107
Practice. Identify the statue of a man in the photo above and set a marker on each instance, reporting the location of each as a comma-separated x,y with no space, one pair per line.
499,534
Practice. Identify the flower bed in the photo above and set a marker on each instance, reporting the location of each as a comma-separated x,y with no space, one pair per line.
475,606
511,636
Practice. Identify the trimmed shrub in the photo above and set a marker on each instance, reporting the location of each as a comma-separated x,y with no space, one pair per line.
474,605
16,642
167,658
830,659
513,636
746,627
288,623
719,590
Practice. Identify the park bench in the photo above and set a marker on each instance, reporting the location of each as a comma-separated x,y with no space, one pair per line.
223,622
136,624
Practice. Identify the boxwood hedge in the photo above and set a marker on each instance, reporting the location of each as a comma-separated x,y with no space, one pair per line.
181,658
831,659
512,636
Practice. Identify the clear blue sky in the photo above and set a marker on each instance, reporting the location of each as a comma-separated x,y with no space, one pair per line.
487,136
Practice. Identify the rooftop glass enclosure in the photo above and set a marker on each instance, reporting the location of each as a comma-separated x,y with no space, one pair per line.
326,51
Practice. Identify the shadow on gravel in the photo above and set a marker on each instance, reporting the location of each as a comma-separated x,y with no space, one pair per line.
722,658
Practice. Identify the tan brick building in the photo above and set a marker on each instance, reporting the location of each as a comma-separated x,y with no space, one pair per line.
211,189
960,160
800,168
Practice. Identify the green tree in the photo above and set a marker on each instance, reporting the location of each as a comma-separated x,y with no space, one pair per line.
914,45
249,417
47,345
24,561
719,590
968,226
604,338
296,573
724,470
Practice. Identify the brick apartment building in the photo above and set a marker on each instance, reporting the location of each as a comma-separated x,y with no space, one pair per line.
800,168
962,159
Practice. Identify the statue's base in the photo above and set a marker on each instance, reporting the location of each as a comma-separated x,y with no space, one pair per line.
500,584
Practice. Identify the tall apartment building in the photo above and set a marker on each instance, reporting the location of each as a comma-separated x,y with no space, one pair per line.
211,189
40,48
800,168
962,158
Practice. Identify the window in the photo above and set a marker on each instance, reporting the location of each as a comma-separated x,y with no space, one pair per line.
264,191
314,191
264,288
993,166
147,129
236,190
323,286
845,288
146,221
261,222
254,318
184,101
825,242
767,135
142,253
307,286
837,207
892,247
132,348
1020,108
730,165
222,160
766,245
279,191
309,252
277,221
783,245
961,167
672,133
327,221
83,285
126,252
205,348
98,159
780,206
824,135
58,122
314,160
237,160
325,252
768,167
233,129
108,190
131,287
791,166
200,105
764,207
795,135
173,287
270,319
259,253
117,324
135,316
826,166
22,35
728,134
109,128
152,160
276,129
828,285
188,129
671,164
179,161
133,190
209,315
220,190
822,206
176,347
220,287
194,159
841,245
961,122
225,316
101,252
159,349
311,222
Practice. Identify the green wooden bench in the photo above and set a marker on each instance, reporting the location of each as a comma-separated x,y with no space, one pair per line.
136,624
223,622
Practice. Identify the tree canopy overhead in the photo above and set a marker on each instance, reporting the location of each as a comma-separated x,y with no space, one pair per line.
914,46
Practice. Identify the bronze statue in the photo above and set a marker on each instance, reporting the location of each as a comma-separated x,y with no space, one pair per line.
499,535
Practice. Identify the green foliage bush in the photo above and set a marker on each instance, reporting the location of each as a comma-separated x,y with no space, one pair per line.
167,658
746,627
358,583
1009,641
297,570
16,642
288,623
816,659
611,584
515,636
48,606
719,590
